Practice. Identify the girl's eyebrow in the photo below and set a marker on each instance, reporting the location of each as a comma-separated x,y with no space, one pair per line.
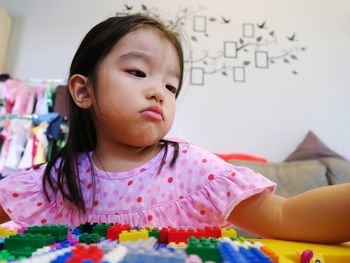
144,56
135,55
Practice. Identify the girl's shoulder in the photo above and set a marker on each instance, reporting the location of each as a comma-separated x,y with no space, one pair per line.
194,156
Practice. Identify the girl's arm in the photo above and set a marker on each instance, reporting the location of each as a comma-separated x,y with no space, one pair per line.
3,216
319,215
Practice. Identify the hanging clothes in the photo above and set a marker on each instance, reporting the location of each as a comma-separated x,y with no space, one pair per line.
30,132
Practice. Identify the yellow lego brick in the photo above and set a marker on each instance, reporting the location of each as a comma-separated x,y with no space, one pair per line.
180,245
228,232
133,235
150,227
6,233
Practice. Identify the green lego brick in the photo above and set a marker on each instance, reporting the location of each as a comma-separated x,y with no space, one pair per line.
101,229
6,256
205,248
17,242
89,238
154,233
59,232
25,252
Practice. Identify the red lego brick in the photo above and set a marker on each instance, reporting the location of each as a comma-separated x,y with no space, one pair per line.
182,235
114,231
81,253
212,232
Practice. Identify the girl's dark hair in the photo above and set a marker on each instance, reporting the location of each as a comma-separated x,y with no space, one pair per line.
95,46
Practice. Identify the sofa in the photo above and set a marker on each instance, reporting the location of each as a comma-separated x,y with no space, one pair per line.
295,177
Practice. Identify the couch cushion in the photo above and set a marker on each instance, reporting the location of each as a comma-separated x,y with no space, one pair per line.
338,170
292,178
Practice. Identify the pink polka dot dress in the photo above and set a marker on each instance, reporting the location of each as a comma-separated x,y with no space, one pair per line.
199,190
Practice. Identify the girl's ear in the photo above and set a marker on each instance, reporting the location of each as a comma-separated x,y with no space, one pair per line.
80,91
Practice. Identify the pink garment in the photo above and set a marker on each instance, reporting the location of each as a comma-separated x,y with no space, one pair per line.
19,99
199,190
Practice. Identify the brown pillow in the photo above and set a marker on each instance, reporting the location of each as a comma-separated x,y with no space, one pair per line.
312,148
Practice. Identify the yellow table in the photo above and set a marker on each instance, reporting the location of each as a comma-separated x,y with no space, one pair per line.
289,252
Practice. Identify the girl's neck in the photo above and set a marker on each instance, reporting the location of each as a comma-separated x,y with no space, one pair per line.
123,158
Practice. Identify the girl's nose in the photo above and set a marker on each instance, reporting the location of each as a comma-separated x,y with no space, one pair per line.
156,92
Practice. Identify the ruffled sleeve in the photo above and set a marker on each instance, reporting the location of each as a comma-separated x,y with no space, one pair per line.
217,187
215,200
22,197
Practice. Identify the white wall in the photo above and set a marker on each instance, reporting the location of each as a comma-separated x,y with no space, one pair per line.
268,115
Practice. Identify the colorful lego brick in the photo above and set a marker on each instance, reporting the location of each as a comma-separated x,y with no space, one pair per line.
229,254
212,232
254,255
163,235
23,252
85,254
101,229
228,233
114,231
116,255
181,245
6,256
86,228
161,255
154,232
133,235
206,249
268,252
182,235
6,233
16,242
141,244
59,232
89,238
193,259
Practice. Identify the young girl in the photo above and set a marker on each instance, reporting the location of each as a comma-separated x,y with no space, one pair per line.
117,166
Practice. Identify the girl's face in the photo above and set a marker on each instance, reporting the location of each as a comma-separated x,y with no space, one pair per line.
136,86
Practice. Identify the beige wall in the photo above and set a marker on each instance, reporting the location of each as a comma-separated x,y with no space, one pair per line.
5,28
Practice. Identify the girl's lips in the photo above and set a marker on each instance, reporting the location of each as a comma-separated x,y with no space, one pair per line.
153,113
154,116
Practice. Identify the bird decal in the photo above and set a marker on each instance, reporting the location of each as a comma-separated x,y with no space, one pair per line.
127,7
225,20
262,25
292,38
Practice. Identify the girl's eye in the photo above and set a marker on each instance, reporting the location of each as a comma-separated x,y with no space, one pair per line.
137,73
171,88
